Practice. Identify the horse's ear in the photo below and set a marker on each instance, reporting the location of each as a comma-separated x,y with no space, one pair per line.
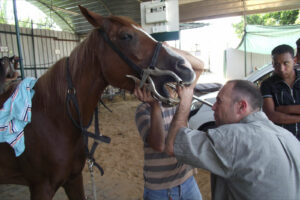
95,19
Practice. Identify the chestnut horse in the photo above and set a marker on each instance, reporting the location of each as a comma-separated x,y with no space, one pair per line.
54,153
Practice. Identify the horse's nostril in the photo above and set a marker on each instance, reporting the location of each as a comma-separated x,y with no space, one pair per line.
184,68
182,65
181,62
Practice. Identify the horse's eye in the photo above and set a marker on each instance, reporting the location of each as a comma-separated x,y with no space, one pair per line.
126,36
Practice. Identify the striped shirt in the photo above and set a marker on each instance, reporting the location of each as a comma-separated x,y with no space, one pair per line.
160,170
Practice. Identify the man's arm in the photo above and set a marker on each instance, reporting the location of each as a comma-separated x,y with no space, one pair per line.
155,137
276,116
180,118
289,109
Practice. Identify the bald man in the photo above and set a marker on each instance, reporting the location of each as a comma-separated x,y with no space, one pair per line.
250,157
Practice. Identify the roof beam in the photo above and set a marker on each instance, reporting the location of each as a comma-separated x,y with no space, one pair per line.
61,17
105,7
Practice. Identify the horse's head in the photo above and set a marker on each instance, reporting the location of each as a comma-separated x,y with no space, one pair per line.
129,50
7,66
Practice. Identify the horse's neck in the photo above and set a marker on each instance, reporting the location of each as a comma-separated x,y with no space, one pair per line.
89,84
87,79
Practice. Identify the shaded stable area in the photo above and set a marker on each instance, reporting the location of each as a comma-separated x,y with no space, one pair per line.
122,159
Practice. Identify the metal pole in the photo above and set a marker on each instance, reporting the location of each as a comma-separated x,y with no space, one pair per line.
33,49
245,37
18,39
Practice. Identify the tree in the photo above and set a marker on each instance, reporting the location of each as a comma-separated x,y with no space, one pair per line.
3,19
288,17
25,22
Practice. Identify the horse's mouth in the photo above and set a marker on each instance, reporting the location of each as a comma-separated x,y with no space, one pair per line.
170,93
162,91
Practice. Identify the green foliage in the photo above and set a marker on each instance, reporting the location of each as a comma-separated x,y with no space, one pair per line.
3,4
41,23
26,23
288,17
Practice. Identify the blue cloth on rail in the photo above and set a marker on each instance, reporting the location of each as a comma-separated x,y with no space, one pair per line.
16,114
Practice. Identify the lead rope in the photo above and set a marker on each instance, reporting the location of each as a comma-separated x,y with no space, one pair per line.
90,165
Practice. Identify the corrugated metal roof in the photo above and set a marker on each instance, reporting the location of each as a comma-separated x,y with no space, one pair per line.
67,14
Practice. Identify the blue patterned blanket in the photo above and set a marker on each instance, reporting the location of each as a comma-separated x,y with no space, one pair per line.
16,114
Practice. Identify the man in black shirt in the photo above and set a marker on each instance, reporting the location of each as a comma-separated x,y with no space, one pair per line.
281,92
297,57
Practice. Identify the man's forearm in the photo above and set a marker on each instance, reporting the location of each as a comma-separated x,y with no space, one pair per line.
180,120
289,109
283,118
156,137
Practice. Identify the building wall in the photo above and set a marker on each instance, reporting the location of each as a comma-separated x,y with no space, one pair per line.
234,65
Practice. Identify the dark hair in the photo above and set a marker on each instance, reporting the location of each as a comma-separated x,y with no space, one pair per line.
298,43
244,88
298,49
281,49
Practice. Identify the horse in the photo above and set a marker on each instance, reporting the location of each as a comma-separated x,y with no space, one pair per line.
8,73
196,63
55,151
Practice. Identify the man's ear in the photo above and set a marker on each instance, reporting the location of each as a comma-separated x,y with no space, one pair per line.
242,106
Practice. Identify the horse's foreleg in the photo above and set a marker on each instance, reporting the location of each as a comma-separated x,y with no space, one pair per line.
74,188
41,191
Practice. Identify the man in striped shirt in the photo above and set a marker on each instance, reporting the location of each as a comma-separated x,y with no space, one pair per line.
165,177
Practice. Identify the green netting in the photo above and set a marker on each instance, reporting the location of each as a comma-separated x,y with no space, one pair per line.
262,39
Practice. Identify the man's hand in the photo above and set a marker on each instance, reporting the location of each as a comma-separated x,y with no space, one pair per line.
144,94
185,94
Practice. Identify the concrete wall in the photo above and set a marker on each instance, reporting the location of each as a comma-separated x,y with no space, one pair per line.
235,63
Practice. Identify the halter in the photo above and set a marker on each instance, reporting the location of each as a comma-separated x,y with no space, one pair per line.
145,74
71,97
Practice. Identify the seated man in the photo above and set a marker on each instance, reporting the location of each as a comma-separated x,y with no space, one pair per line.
249,156
281,92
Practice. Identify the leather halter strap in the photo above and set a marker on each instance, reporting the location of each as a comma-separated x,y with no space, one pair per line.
71,97
140,71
